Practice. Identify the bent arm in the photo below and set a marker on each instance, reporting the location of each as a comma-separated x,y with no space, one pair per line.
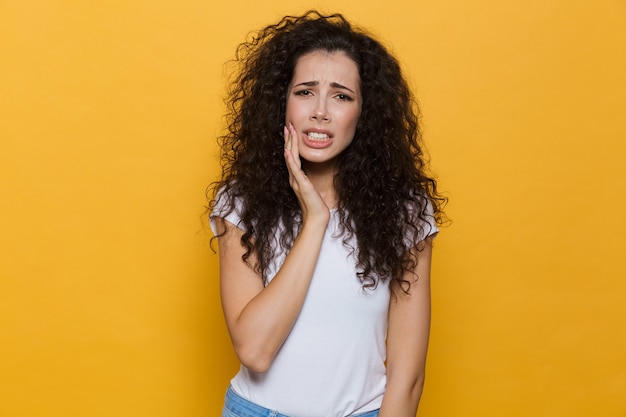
407,340
259,318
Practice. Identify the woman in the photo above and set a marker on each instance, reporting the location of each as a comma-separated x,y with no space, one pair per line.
325,218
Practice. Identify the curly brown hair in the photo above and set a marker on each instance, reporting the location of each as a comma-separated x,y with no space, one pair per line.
386,198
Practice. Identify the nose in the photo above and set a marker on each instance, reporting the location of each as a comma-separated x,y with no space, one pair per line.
320,111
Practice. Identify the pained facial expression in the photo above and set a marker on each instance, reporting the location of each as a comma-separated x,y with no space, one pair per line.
324,104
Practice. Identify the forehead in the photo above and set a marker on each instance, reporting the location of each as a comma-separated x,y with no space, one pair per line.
326,66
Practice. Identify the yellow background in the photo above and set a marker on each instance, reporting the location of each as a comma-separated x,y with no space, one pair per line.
108,116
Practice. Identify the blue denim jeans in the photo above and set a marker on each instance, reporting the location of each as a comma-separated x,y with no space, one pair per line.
235,406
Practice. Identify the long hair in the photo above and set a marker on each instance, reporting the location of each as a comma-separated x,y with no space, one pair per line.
386,197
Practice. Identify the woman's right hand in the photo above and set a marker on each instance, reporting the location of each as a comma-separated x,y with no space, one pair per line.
310,200
260,318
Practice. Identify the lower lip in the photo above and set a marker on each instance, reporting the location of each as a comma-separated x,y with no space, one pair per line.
316,144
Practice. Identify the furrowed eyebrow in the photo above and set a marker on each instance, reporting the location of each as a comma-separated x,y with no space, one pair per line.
314,83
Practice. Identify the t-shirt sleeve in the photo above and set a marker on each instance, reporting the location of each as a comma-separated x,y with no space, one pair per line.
430,228
427,226
221,209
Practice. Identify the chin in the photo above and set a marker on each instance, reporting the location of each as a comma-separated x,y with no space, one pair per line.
319,161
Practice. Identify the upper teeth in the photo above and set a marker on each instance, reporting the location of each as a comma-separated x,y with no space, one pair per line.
316,135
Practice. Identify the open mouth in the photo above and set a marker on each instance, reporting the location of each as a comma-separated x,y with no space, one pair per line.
317,135
317,139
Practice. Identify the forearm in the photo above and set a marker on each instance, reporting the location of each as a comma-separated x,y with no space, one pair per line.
402,397
264,323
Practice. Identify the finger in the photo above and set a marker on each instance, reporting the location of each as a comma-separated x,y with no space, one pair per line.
297,177
295,172
292,168
286,136
288,144
294,144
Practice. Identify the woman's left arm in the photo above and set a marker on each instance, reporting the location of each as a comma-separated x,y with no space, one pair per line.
407,339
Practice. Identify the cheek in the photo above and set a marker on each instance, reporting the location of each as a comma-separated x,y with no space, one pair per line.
287,110
353,117
292,110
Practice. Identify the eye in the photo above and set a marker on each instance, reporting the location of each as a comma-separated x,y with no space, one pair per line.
344,97
303,93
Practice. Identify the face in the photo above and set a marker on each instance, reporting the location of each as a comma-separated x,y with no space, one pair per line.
324,105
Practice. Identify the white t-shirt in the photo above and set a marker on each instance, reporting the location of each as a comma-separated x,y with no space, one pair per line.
333,361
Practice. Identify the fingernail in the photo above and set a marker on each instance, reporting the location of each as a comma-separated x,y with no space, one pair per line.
285,131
